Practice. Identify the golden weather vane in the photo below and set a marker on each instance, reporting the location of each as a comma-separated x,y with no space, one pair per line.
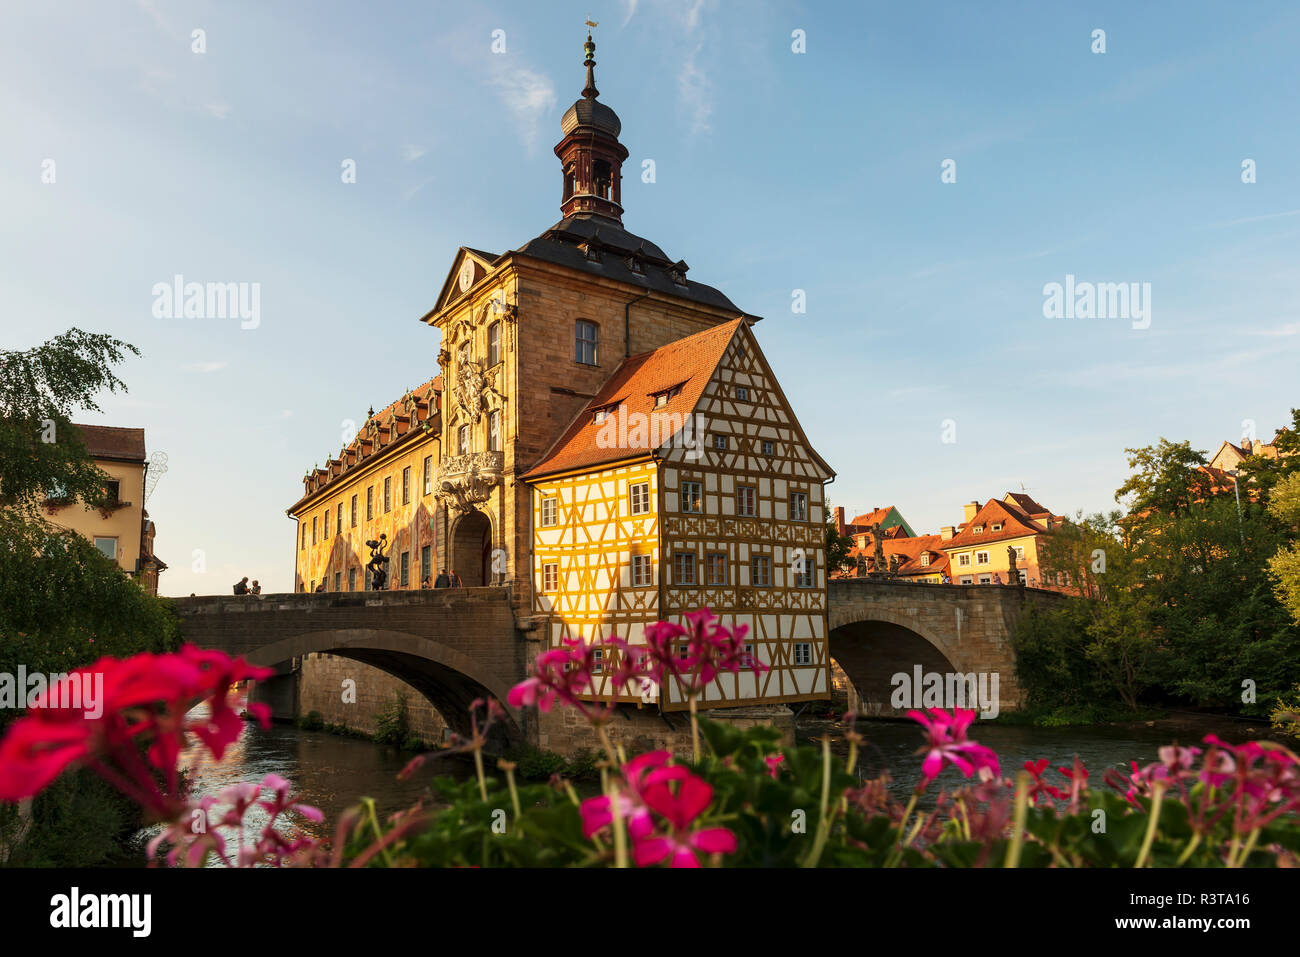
591,23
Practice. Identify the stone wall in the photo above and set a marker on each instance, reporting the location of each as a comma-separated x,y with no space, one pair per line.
641,730
320,688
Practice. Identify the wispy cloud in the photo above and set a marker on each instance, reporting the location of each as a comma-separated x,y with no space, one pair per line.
527,94
204,367
411,153
693,87
1255,219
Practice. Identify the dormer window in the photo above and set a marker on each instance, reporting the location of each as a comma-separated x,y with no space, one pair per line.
925,559
997,526
979,529
634,265
661,399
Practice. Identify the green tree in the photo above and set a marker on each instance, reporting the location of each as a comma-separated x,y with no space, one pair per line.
837,546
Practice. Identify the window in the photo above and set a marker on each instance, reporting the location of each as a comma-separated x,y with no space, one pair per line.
746,499
406,485
979,529
684,568
641,571
494,343
338,524
338,581
798,506
661,399
352,579
369,579
760,571
768,448
747,659
462,440
354,511
803,652
639,494
966,579
550,510
691,497
981,558
742,393
1022,575
304,535
997,526
112,492
327,523
986,579
426,563
428,475
720,442
584,348
107,546
370,504
805,572
313,529
716,563
1020,553
406,569
925,559
550,576
388,493
494,431
963,559
597,661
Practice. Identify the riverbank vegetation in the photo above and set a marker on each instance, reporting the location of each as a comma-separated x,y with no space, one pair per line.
63,604
1191,596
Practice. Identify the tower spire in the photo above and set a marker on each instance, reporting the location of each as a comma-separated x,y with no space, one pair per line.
590,91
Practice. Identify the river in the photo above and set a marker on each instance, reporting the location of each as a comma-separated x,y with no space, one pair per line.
332,772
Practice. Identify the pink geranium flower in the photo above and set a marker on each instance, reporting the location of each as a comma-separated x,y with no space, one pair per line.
947,744
679,809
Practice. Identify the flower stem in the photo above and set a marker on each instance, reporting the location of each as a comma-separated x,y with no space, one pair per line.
823,819
695,733
615,798
1157,798
478,769
896,855
1187,851
379,834
1018,822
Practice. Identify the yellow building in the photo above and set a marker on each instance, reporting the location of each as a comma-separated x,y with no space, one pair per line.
687,482
980,551
381,483
120,527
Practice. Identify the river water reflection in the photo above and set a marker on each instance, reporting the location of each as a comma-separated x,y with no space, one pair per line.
333,772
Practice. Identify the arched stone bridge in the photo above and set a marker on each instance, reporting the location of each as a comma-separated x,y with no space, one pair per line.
451,645
455,645
881,628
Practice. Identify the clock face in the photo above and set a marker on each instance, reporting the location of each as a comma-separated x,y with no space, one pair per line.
466,275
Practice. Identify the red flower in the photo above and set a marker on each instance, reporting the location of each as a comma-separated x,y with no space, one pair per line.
680,809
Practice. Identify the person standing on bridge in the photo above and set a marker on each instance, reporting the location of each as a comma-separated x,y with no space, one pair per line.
455,580
442,580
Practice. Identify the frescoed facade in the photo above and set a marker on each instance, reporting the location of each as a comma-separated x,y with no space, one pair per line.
381,483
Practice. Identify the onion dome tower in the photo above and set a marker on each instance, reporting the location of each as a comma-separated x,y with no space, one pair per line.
590,153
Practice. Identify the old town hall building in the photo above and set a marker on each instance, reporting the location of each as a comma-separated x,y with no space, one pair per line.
607,438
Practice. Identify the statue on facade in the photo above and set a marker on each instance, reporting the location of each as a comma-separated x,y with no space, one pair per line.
378,564
1013,574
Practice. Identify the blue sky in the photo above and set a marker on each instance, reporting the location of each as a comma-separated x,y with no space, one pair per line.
775,171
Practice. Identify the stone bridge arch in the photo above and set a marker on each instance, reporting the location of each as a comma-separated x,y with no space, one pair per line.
449,679
881,628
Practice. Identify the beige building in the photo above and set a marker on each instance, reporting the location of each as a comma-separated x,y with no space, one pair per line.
119,527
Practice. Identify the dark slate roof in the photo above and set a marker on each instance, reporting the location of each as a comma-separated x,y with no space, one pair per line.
602,247
591,112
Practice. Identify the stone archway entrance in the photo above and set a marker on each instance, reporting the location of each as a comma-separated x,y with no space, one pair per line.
471,549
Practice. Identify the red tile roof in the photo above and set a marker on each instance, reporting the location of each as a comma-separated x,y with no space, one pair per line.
687,363
110,442
1015,524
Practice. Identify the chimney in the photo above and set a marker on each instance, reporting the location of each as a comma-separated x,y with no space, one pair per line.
972,509
839,519
1048,521
946,533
